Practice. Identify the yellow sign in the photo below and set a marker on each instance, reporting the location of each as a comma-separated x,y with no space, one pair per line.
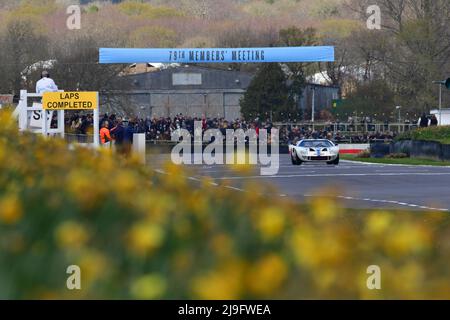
70,100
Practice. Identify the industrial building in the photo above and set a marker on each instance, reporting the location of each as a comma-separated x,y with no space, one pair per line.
195,91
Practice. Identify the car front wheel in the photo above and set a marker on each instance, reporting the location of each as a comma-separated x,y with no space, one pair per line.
334,162
295,159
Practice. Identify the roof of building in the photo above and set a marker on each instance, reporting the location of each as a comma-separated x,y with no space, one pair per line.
188,77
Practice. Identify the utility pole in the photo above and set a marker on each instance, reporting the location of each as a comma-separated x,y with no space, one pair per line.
399,114
313,109
440,105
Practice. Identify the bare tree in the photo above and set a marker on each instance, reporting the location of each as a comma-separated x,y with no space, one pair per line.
20,48
412,47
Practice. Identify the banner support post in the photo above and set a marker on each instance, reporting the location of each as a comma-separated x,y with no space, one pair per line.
44,122
97,124
20,111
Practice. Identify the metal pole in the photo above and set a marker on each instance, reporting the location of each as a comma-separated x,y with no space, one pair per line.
44,121
313,106
139,146
61,123
440,83
440,104
223,106
21,110
97,124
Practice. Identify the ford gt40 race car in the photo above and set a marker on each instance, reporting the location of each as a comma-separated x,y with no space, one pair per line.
314,150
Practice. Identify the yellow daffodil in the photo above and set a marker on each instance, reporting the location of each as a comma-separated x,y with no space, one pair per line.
10,209
143,238
149,287
71,234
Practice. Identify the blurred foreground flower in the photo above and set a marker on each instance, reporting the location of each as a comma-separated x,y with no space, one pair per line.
152,286
10,209
140,235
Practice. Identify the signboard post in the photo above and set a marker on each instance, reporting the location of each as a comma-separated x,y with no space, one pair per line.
56,102
97,124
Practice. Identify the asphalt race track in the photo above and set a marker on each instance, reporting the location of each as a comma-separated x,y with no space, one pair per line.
357,185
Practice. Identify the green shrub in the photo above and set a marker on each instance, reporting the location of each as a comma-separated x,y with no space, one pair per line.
93,9
146,10
404,136
438,134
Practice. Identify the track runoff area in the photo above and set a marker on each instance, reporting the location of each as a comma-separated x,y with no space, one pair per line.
355,185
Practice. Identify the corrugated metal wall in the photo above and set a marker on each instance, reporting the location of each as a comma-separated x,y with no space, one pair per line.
155,95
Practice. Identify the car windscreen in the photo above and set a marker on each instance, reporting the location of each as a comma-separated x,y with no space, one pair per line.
315,144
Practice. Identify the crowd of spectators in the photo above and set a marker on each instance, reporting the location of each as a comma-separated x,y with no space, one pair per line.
161,129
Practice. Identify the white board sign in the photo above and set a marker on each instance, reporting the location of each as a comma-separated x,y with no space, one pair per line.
35,119
187,79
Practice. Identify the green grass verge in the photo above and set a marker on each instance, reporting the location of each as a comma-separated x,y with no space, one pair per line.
408,161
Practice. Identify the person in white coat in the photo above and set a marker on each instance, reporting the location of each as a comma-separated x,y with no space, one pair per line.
46,84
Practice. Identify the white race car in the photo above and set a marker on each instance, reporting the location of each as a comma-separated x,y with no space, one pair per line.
312,150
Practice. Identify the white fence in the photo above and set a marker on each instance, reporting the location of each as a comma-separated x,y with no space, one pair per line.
356,127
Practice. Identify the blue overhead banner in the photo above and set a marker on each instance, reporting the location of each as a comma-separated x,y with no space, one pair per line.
218,55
